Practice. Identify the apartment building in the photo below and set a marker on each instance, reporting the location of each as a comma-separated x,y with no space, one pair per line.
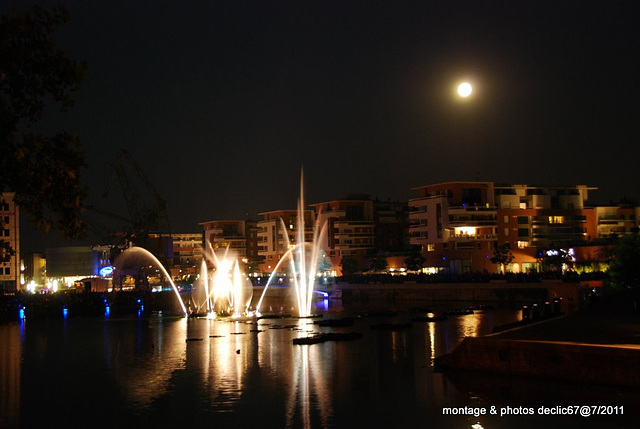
616,221
391,221
350,229
459,224
220,235
187,249
271,239
454,224
9,236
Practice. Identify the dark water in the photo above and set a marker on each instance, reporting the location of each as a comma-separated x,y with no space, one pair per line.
137,372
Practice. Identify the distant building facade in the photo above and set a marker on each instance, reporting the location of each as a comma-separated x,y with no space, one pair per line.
9,236
239,236
458,225
271,240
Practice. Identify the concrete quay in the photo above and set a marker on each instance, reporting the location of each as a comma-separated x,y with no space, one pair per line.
596,345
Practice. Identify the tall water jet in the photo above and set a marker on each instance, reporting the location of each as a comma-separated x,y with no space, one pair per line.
125,255
302,257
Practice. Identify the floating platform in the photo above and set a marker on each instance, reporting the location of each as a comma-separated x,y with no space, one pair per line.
332,336
345,321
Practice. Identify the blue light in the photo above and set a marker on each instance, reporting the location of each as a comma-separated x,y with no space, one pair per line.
139,300
107,310
325,294
65,312
21,313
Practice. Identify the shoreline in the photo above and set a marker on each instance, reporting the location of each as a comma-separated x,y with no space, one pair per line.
597,345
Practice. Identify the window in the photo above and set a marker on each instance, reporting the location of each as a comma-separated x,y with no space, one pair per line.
506,232
431,247
523,220
506,219
523,232
556,219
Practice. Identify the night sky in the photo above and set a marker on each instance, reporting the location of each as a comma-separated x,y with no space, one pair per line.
222,102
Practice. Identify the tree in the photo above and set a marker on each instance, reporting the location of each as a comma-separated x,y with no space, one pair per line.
378,264
415,261
625,266
502,255
43,171
348,265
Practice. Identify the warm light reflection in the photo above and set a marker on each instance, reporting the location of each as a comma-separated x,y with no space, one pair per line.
432,342
309,393
10,370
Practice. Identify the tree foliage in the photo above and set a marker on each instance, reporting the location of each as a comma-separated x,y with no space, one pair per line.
415,261
42,170
502,255
625,266
348,265
378,264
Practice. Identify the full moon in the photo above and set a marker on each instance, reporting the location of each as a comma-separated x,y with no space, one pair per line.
464,89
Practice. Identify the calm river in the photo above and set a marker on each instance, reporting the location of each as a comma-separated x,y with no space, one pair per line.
198,373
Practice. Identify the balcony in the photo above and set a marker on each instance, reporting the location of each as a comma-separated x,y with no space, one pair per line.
477,237
474,208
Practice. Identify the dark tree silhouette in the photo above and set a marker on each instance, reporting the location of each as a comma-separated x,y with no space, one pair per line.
43,171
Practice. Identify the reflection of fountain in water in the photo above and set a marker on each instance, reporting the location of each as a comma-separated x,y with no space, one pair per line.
309,396
303,259
227,291
128,256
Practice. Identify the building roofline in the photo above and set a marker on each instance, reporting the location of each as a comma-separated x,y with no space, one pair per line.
451,183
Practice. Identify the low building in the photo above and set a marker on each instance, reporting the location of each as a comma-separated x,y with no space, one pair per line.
9,244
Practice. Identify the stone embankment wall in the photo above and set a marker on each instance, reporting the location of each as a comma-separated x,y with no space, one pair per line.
608,364
500,293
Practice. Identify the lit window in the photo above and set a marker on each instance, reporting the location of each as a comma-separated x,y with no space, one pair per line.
556,219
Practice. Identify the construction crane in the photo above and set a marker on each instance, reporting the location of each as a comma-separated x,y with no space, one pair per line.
149,222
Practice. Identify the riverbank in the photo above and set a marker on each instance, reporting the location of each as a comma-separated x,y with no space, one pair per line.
599,344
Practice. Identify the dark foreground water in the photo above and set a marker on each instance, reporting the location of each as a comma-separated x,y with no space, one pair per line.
142,372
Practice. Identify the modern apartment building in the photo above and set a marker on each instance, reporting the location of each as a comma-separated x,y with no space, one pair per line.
391,220
9,238
350,229
239,236
187,249
454,224
616,221
271,240
459,224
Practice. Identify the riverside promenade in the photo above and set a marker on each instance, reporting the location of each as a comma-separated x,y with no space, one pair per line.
598,344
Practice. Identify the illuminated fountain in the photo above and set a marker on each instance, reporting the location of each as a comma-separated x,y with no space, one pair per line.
303,260
133,252
227,291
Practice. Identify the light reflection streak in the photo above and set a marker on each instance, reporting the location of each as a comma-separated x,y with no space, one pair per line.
10,369
432,342
145,370
309,392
